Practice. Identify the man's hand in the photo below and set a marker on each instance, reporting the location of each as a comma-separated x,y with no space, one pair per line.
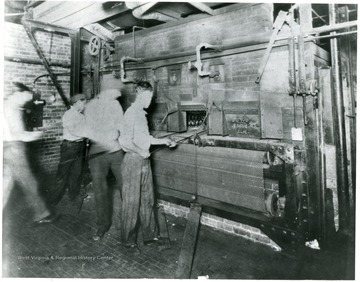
145,154
169,142
29,136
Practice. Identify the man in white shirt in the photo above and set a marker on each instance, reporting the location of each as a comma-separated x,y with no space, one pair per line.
104,115
137,190
17,169
72,152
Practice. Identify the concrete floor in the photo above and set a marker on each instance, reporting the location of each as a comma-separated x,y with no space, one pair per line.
65,249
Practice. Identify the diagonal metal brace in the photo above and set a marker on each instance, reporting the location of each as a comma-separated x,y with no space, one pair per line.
27,27
279,22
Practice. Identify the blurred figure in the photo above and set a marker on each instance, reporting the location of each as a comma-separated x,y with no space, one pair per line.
104,116
72,152
16,165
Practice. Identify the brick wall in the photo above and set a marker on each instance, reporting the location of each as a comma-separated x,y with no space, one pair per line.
57,50
225,225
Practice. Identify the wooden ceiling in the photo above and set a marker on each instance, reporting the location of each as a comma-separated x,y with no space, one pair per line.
109,14
104,17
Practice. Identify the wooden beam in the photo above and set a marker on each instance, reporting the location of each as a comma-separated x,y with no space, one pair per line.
139,7
100,31
189,243
49,27
202,7
53,11
91,14
169,13
75,14
305,17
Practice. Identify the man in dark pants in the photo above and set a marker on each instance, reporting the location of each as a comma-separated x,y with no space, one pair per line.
104,116
71,152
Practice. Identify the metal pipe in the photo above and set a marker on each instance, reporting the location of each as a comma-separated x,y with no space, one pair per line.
14,14
57,74
133,32
333,27
122,67
332,35
34,62
198,64
339,131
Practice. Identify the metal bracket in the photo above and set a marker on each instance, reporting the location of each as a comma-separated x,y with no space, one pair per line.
122,67
198,64
286,153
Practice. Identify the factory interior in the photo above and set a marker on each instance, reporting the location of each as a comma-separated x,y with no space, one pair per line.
259,101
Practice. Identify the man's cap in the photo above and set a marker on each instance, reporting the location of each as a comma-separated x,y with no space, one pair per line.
76,98
110,82
144,85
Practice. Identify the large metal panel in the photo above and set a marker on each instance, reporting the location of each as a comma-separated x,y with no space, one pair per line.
231,176
240,200
271,122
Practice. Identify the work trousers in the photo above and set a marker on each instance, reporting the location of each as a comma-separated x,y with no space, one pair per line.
137,199
17,171
100,167
69,173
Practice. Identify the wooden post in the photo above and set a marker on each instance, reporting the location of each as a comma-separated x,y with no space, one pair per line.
347,69
311,141
75,63
189,243
339,132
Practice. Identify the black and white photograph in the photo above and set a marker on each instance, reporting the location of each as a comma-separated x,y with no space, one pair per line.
179,140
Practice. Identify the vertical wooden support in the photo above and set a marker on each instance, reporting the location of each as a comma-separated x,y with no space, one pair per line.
75,63
311,130
325,111
292,196
347,69
189,243
301,184
322,165
305,11
339,132
325,83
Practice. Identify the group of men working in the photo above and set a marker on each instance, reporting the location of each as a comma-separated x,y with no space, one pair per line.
120,143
